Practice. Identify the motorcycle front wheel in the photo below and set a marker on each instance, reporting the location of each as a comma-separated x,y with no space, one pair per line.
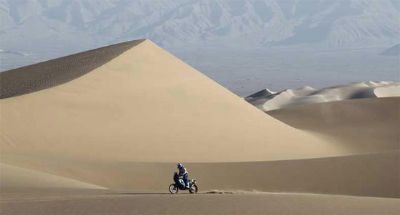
193,189
173,189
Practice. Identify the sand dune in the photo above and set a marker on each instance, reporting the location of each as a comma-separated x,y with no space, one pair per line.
308,95
365,125
146,105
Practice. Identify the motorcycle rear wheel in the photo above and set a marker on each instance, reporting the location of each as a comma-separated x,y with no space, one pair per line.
193,189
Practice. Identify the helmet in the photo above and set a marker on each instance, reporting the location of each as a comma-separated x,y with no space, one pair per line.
179,165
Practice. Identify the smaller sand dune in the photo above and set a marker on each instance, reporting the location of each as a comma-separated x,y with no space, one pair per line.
267,100
364,125
388,91
13,177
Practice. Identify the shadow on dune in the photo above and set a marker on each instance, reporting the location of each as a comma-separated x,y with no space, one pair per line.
52,73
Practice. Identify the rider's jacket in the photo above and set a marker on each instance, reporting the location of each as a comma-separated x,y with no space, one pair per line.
182,171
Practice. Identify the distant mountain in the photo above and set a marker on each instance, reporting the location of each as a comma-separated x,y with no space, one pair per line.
7,52
58,27
392,51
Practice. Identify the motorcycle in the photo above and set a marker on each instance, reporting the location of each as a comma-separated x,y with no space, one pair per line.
180,185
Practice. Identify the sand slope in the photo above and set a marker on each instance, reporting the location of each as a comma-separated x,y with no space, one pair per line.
267,100
12,178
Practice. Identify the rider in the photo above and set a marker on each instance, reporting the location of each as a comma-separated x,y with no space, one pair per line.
184,174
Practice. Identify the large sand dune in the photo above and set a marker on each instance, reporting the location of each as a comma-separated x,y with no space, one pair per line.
145,105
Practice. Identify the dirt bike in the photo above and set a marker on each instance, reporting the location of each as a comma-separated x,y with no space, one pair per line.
179,185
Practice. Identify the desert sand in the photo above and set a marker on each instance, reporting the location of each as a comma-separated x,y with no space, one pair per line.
251,203
100,132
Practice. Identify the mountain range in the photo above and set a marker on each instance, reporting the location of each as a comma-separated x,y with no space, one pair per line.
245,23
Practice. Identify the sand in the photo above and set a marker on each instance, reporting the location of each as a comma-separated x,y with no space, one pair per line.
364,175
15,178
278,203
98,131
